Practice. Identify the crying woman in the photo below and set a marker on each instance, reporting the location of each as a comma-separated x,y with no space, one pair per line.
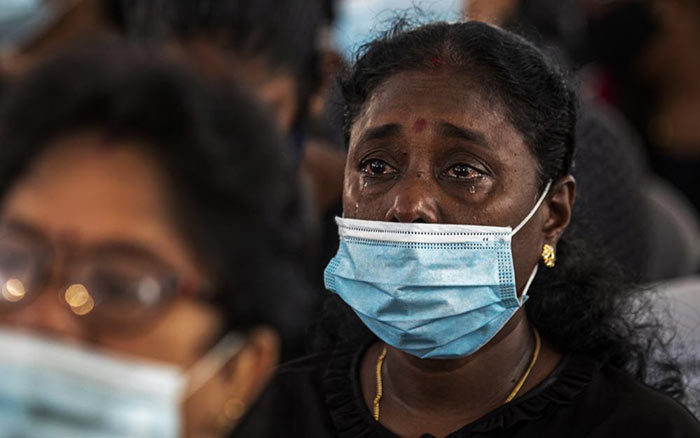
484,317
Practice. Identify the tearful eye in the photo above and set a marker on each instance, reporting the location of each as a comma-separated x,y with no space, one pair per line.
463,172
375,167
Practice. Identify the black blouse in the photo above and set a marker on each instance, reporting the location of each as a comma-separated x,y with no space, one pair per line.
320,396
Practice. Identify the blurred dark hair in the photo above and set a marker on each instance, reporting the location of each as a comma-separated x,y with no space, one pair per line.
583,305
233,188
284,33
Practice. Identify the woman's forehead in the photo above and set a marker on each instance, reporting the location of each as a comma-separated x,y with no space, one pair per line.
441,92
99,193
415,101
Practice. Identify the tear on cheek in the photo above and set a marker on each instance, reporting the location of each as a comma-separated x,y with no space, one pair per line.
419,125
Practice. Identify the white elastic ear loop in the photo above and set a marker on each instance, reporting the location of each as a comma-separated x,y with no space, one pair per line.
523,297
534,209
212,362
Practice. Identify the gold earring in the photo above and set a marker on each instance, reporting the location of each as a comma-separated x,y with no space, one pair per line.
548,256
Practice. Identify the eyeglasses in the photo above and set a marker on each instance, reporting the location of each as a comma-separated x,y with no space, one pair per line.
113,285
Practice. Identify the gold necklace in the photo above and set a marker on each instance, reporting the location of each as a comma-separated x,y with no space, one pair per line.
378,395
511,396
521,382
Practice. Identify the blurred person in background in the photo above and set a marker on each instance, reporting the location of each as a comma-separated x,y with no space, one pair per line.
279,50
273,48
149,249
648,54
463,305
645,60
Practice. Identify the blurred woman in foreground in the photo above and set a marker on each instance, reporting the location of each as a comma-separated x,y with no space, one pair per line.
149,232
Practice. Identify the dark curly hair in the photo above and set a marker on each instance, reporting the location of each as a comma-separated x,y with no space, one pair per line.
233,187
585,305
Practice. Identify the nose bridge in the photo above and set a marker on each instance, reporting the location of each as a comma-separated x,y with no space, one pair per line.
416,198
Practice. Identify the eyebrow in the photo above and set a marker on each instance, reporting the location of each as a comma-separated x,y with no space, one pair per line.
125,249
17,226
454,131
109,247
380,132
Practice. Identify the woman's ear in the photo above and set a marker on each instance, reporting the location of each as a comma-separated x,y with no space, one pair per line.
217,408
251,369
560,205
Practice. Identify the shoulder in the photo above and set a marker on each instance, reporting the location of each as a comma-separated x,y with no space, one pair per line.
621,406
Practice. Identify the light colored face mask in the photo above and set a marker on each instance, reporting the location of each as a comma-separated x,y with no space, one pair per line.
54,389
432,290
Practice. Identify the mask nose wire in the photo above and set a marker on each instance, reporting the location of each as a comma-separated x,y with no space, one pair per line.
533,211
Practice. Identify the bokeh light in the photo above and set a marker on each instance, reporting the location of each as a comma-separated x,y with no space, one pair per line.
79,299
149,291
13,290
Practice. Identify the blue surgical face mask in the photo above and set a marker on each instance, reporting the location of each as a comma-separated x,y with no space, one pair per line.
52,389
432,290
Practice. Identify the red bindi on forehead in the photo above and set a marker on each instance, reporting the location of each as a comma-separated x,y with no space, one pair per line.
419,125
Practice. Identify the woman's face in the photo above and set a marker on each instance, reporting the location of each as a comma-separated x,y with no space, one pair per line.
432,147
94,202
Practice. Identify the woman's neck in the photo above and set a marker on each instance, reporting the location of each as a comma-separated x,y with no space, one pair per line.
440,396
